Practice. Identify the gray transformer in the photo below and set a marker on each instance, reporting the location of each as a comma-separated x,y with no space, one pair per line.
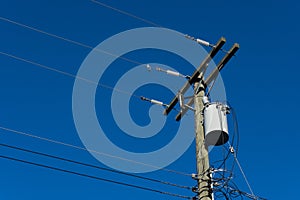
215,124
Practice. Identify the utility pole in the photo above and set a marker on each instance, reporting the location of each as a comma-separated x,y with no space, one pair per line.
204,189
203,175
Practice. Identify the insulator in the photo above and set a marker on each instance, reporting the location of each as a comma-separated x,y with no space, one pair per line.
205,100
156,102
173,73
202,42
181,100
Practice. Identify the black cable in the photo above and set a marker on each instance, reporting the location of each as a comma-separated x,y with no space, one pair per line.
250,196
224,187
91,150
222,160
235,133
95,166
95,177
236,129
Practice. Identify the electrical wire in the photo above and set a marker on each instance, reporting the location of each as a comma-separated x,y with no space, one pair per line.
95,166
90,150
236,131
199,41
83,79
68,74
236,128
83,45
73,42
74,76
76,43
222,179
95,177
211,86
244,175
67,40
127,13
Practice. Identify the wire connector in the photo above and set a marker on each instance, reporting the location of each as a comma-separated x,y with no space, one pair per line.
231,149
148,67
195,176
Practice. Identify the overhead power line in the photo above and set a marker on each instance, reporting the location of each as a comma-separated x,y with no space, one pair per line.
67,74
67,40
95,166
94,177
168,107
89,46
126,13
91,150
71,75
72,42
199,41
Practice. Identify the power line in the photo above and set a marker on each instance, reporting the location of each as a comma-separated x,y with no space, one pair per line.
67,40
83,44
67,74
84,79
233,151
89,81
95,177
71,75
76,43
199,41
95,166
126,13
236,132
244,175
91,150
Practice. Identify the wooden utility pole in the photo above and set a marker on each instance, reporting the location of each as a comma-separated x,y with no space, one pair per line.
203,175
204,190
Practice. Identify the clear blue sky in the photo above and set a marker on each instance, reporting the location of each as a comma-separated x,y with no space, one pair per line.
261,83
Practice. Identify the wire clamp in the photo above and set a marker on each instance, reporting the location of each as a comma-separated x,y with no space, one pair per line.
231,149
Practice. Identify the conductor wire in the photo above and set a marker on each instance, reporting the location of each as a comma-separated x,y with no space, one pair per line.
67,40
94,177
67,74
205,43
244,175
91,150
126,13
94,166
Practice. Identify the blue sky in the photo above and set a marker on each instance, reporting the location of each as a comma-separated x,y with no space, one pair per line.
261,84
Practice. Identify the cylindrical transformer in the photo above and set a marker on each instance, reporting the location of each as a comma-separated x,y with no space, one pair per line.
215,124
